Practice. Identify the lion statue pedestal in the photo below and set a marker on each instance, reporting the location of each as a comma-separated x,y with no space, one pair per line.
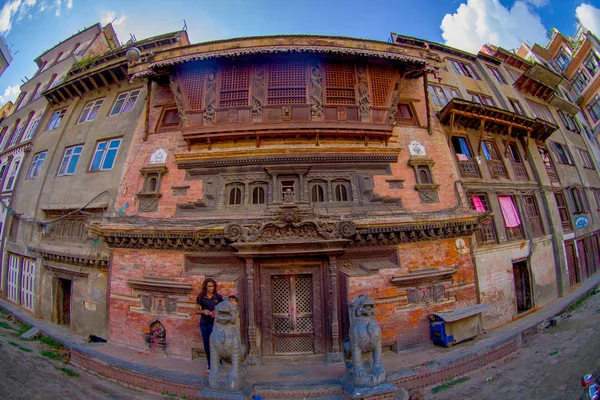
365,376
227,379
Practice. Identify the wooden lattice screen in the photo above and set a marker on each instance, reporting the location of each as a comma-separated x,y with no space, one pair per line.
287,82
340,84
381,81
192,81
235,85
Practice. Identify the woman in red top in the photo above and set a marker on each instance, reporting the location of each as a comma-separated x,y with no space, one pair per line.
205,306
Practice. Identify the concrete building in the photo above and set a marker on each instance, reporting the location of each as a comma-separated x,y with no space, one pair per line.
5,55
74,169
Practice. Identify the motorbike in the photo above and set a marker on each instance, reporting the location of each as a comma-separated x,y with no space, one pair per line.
591,387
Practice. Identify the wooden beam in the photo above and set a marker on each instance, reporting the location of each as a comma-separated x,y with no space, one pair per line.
147,110
61,95
507,141
124,71
66,89
538,90
482,128
527,149
112,74
103,79
491,119
87,89
77,90
94,83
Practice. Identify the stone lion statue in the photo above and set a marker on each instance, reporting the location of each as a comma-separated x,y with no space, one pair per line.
226,349
363,349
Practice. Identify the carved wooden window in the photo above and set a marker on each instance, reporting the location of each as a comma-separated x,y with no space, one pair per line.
533,216
235,195
486,233
405,114
495,164
287,82
235,85
258,195
317,192
341,190
381,81
340,84
169,119
192,81
563,212
517,163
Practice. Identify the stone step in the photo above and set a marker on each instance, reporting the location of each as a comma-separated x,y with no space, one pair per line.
299,390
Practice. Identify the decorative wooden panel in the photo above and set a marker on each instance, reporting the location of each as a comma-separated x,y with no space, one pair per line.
192,81
340,84
381,81
235,85
287,82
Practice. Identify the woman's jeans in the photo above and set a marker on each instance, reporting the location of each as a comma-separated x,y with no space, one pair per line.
206,330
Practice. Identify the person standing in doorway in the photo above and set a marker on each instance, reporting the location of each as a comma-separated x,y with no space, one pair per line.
205,304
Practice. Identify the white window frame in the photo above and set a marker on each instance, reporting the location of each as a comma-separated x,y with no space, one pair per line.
12,279
13,171
56,119
67,158
109,145
16,135
36,164
124,102
90,111
31,129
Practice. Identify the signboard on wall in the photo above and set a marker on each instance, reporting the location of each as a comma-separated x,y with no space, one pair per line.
581,221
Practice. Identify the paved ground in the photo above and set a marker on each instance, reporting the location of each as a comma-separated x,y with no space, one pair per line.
549,366
25,373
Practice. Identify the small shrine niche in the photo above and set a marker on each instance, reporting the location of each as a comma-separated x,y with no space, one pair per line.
157,337
150,194
425,186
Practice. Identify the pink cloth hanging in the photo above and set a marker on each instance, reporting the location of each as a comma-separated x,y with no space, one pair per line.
511,216
478,204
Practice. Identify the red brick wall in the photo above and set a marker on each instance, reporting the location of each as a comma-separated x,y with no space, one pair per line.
407,324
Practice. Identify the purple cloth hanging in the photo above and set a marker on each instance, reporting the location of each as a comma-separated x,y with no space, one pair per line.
478,204
511,216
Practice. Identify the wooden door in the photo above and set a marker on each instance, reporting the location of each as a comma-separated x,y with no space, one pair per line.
571,268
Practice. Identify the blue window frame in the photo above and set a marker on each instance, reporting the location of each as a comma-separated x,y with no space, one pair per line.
36,165
105,155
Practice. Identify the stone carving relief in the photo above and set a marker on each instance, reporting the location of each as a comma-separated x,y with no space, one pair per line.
391,118
178,97
416,149
258,92
364,366
341,113
210,97
363,94
286,113
158,157
157,337
316,91
227,350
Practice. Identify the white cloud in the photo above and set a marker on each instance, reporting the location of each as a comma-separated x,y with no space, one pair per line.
537,3
111,16
589,16
6,14
487,21
10,93
15,10
69,4
57,4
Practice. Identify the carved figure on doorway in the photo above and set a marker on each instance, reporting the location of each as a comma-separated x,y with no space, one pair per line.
363,349
226,349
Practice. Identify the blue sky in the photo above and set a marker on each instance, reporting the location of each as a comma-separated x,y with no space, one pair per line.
33,26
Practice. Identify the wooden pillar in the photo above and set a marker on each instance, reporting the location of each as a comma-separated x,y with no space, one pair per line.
253,356
336,356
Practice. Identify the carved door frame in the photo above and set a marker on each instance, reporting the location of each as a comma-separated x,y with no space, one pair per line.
292,266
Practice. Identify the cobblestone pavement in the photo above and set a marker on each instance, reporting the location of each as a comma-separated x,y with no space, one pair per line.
549,366
37,370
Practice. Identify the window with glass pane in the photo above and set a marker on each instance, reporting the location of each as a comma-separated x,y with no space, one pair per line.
441,95
69,160
593,108
235,196
563,211
497,74
562,153
36,165
16,136
317,194
579,199
464,69
258,195
104,157
2,171
90,111
495,164
466,163
10,182
482,99
341,191
568,121
125,102
516,106
597,197
562,59
57,116
31,129
580,81
591,62
586,159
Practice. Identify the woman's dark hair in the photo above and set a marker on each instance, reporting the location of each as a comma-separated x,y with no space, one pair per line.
204,289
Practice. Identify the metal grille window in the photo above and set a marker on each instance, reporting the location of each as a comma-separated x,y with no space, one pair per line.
580,80
494,161
441,95
482,99
497,74
69,160
125,102
568,122
586,159
464,69
562,153
517,107
517,162
36,165
340,84
287,82
235,85
105,155
192,81
486,233
56,118
593,108
381,81
563,212
533,216
591,62
90,111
